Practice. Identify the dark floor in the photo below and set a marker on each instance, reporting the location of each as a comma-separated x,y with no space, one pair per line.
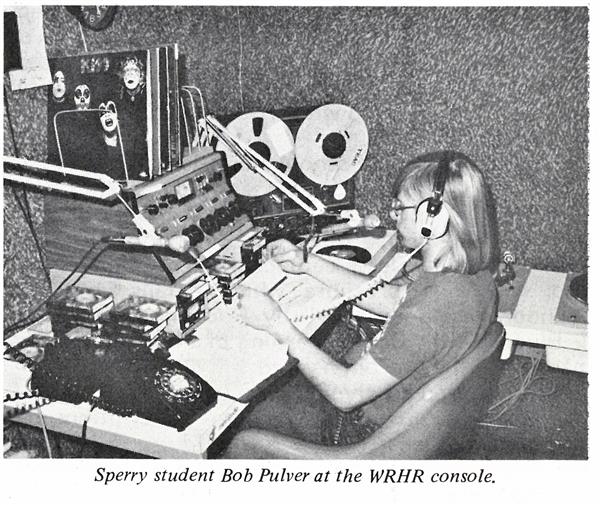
548,420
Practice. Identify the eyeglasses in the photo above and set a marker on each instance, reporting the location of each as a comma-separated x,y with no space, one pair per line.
397,208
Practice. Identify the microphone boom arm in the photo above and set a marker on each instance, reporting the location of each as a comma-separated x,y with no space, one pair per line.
261,166
113,187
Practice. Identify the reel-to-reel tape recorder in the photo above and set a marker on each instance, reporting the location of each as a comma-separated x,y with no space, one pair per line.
320,148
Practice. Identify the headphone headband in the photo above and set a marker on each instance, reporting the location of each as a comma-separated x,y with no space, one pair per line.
441,176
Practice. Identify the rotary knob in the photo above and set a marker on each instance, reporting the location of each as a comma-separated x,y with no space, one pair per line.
194,234
223,216
209,224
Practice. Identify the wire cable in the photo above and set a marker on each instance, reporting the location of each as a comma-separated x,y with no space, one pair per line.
526,386
25,207
45,431
85,48
240,59
225,395
84,429
27,320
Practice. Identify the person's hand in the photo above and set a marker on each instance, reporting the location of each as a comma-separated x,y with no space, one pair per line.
288,256
258,309
355,352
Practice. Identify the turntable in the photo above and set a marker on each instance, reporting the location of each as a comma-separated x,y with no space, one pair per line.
549,312
361,254
573,308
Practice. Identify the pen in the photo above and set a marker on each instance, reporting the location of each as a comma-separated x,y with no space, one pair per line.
277,284
305,249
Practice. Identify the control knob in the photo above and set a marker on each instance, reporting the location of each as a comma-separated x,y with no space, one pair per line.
194,234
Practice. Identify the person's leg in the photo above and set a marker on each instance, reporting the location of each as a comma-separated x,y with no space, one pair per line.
297,410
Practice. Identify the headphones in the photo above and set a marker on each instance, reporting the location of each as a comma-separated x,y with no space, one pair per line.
431,215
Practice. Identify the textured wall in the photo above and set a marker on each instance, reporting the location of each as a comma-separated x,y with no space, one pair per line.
509,86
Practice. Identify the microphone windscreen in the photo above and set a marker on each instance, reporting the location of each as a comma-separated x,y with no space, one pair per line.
371,221
179,243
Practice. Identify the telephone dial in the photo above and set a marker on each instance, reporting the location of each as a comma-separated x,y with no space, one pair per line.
122,378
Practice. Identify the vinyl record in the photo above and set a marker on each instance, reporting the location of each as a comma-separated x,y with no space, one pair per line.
331,144
347,252
270,137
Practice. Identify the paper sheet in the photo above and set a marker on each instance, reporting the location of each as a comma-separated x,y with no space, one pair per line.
35,71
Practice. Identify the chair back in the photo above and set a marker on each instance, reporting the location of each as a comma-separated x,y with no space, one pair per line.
438,421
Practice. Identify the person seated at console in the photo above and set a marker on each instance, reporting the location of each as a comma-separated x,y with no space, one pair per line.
442,205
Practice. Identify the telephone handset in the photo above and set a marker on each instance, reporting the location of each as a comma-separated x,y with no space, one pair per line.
122,378
70,371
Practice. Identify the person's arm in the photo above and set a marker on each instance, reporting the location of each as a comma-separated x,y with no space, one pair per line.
383,301
346,388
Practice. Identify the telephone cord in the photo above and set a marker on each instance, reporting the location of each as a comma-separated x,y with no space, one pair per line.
84,427
347,299
18,356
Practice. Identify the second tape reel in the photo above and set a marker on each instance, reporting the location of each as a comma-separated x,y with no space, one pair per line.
331,144
270,137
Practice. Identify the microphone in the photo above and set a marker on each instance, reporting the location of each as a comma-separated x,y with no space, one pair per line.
178,243
366,225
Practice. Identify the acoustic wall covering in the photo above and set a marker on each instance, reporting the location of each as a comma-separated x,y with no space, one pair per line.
509,86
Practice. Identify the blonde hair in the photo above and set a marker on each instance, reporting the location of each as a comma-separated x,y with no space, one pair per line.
472,236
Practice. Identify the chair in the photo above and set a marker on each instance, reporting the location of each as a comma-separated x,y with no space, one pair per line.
437,422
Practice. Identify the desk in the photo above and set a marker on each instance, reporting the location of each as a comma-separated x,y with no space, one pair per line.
217,354
531,314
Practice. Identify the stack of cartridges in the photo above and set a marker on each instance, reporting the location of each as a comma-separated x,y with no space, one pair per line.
251,252
137,319
229,273
75,306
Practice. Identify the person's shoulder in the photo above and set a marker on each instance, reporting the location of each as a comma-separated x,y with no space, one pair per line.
466,284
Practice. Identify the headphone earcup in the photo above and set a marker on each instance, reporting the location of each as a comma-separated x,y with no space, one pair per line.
437,225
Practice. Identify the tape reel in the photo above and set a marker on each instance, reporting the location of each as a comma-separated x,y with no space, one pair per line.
331,144
270,137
